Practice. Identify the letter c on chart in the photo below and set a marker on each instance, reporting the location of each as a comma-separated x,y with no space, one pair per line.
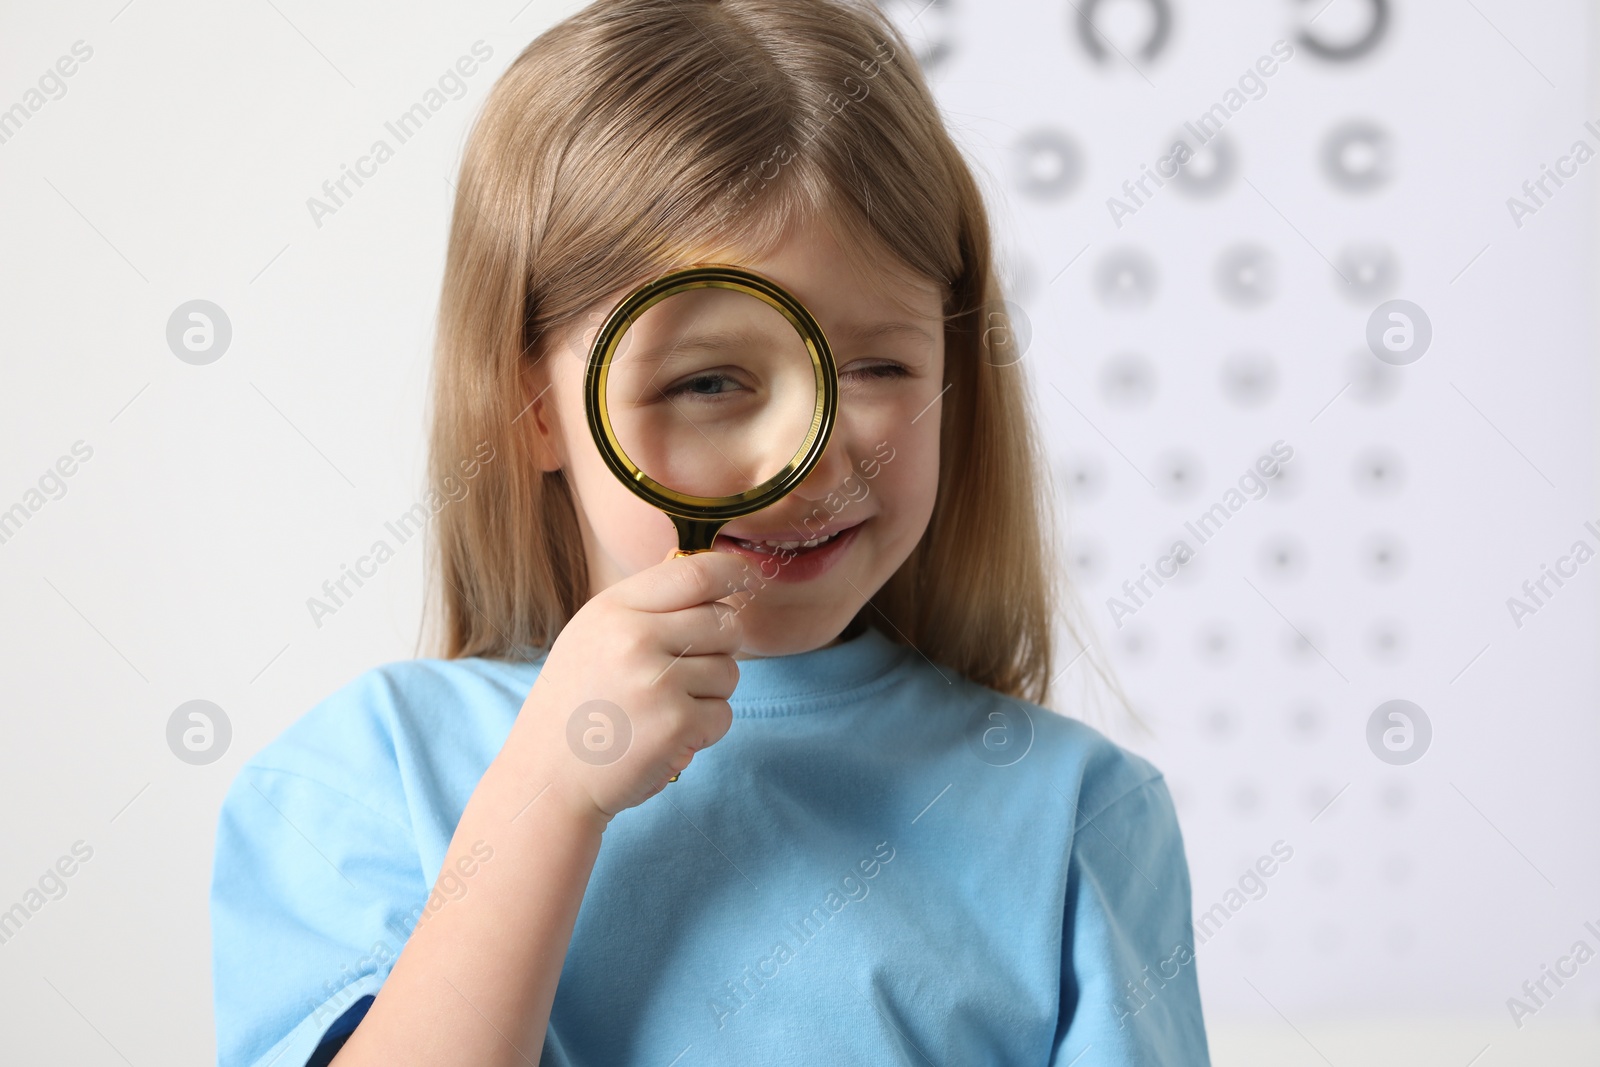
1093,43
1350,50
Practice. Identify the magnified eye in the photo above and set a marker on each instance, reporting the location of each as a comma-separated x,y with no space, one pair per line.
706,385
709,396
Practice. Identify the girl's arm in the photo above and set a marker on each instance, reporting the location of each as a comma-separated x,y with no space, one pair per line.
475,981
1129,990
477,977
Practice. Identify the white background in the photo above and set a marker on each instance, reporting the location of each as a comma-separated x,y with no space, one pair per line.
177,564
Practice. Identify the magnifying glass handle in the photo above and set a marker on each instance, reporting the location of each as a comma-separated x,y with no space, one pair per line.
695,535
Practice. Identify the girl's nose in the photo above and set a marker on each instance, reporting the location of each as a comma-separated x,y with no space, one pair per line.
829,473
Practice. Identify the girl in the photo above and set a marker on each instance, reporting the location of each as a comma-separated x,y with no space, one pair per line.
882,849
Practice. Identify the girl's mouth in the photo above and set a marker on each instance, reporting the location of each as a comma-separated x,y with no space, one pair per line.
775,547
791,560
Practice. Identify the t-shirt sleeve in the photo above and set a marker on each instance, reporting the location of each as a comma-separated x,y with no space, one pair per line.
309,910
1129,993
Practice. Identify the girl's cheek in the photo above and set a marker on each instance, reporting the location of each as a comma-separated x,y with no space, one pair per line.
631,529
628,530
911,459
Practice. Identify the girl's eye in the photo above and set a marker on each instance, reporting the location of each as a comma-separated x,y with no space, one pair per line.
702,385
877,370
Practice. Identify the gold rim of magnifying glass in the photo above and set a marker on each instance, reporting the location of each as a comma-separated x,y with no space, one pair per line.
717,509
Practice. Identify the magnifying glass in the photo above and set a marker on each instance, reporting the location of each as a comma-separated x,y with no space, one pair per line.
711,393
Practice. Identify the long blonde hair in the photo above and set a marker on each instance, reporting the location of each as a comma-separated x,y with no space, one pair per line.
636,128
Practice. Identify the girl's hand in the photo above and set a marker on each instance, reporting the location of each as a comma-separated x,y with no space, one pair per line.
636,684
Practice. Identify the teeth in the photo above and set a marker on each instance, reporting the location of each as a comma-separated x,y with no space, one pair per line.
770,546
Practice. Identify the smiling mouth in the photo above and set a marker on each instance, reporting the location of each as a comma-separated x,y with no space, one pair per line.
772,546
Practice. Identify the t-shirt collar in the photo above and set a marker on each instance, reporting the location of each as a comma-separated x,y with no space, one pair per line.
820,678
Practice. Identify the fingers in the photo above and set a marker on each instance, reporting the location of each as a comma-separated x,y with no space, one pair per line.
703,676
703,630
715,718
684,582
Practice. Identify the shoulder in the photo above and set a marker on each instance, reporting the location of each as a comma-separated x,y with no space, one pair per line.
1055,753
1102,772
362,738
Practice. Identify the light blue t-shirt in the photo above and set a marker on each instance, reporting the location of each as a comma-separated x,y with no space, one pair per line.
881,863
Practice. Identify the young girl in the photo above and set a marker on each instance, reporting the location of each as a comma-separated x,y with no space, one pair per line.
881,849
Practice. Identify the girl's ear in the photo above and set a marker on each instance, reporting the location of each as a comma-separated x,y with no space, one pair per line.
538,423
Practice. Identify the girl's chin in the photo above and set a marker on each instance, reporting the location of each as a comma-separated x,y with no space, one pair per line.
787,633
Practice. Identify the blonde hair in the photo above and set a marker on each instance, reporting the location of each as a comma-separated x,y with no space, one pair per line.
638,128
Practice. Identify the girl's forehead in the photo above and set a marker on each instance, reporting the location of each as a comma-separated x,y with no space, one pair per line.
850,282
834,274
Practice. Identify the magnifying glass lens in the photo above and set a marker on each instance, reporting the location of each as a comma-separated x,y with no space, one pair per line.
711,392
